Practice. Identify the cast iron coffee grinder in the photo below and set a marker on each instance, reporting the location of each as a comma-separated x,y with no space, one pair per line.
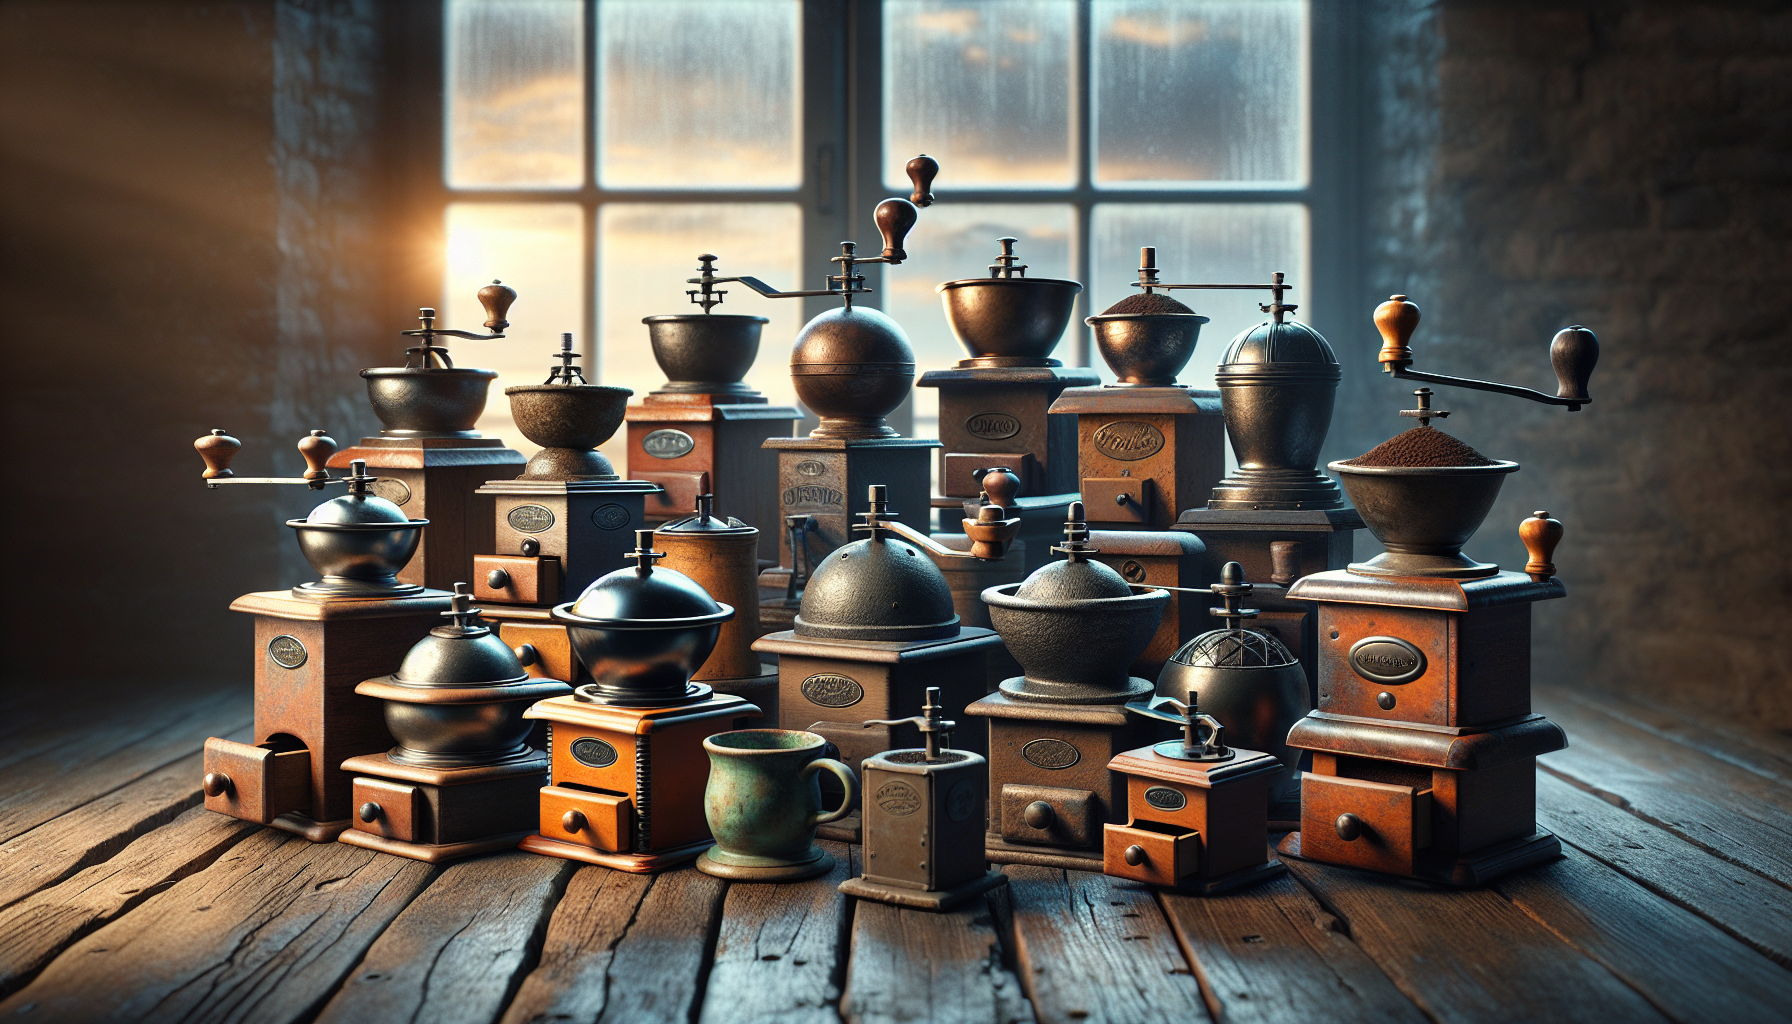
462,779
722,556
429,459
704,423
875,629
1197,811
314,643
626,750
567,520
851,366
1279,517
994,405
1075,626
1424,745
922,806
1248,682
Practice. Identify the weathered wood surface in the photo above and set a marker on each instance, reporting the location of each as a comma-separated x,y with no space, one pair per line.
571,980
455,955
1272,953
781,952
912,965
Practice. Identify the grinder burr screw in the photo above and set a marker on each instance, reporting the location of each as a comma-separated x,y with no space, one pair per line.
218,448
495,297
1540,535
1203,737
1573,353
644,555
1424,413
935,727
568,371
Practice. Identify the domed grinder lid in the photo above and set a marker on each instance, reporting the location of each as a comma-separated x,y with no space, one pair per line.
360,506
705,521
880,588
1076,578
460,662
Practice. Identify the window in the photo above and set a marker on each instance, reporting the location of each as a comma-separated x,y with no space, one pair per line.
592,148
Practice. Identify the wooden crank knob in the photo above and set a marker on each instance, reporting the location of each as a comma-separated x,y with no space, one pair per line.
1349,826
1000,483
317,447
573,821
1134,855
1039,815
921,172
217,449
895,217
369,811
1540,534
217,784
496,298
1572,354
1396,319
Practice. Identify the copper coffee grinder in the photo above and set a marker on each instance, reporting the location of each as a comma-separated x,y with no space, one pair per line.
626,754
722,556
1424,745
314,643
1075,626
704,430
876,628
567,520
994,405
921,809
851,366
429,458
463,779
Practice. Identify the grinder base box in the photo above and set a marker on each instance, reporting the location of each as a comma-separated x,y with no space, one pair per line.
1145,453
827,479
674,440
439,815
1194,827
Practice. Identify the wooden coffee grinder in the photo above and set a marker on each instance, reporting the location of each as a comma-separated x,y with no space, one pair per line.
1424,745
626,750
429,459
704,422
994,405
313,644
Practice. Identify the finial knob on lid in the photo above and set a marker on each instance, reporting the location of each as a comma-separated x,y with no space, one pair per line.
1540,535
644,555
1396,319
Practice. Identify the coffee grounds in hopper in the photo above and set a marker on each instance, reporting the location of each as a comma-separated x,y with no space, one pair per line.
1421,446
1146,304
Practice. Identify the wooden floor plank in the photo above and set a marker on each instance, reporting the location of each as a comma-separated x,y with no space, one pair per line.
1636,933
1089,947
35,929
1766,754
1271,953
912,965
265,934
1470,955
457,952
112,752
1727,810
781,950
571,981
1751,908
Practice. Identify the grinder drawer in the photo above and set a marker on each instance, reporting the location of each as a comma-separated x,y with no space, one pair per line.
602,821
391,809
1165,854
1118,499
544,648
517,579
1048,815
1363,824
256,782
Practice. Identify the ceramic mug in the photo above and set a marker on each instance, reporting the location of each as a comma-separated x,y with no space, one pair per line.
763,802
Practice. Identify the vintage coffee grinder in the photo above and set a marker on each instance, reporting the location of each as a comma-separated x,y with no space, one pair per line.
626,750
463,779
922,806
567,520
1424,745
1197,811
1279,517
704,422
852,366
994,405
875,629
314,643
429,459
1075,626
722,556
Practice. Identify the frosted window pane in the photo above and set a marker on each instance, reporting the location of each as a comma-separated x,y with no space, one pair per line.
953,241
700,93
647,250
1223,243
537,249
982,87
516,94
1199,91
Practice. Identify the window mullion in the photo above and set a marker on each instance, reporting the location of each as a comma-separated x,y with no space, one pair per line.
590,198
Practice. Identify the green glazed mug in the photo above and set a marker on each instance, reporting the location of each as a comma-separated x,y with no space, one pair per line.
763,802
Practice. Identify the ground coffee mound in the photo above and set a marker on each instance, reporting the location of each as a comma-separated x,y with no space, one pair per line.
1146,304
1421,446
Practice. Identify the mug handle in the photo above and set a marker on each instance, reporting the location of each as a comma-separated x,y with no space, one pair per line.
847,779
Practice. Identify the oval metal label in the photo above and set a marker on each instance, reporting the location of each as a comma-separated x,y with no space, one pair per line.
287,651
992,426
610,517
395,491
593,752
1166,799
530,518
1128,440
897,799
832,691
809,467
1048,752
668,444
1388,660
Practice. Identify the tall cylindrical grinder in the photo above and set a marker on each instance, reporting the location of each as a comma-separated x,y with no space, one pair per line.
722,555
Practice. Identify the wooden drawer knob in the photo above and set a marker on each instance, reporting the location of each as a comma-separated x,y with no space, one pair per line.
217,784
1135,855
1350,827
497,579
1039,815
573,821
526,654
369,811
